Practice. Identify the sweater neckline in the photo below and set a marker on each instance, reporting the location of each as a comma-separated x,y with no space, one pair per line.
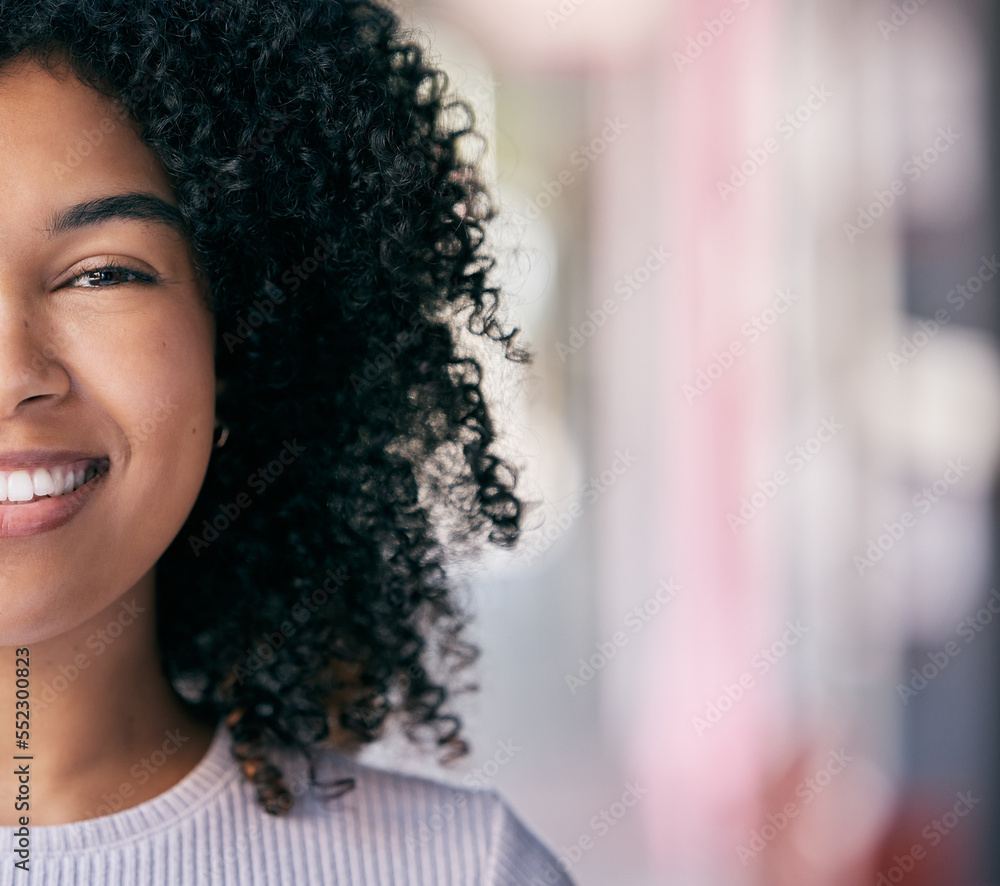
213,772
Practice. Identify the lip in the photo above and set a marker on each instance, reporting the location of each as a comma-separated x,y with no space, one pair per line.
43,458
46,514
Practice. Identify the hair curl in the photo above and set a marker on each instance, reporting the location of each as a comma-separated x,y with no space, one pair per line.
316,159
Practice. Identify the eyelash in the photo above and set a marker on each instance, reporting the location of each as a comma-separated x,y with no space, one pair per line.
137,276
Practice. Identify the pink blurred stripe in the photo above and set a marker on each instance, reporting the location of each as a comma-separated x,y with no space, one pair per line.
704,789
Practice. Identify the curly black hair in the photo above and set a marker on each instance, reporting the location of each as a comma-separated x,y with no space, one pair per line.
317,159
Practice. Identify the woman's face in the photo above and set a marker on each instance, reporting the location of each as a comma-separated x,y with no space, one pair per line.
106,356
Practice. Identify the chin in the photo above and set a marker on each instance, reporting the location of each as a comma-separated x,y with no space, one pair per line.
39,614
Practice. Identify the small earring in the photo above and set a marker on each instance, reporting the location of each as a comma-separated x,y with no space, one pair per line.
222,436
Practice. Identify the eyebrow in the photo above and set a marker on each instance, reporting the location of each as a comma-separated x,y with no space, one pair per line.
141,207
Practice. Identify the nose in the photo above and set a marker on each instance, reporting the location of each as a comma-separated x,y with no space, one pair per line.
31,372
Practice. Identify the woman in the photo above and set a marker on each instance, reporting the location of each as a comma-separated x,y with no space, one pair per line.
236,243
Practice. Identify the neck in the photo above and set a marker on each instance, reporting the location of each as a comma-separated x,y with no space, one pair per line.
106,731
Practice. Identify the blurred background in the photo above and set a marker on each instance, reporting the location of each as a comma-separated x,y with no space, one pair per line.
752,633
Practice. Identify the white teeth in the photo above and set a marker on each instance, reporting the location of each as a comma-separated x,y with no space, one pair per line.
20,487
41,481
25,485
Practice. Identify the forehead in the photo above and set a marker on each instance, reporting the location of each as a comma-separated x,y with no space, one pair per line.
62,142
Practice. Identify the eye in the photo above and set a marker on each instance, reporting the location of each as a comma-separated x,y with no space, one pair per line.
108,275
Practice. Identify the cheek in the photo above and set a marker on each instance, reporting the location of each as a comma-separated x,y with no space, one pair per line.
144,386
166,392
156,378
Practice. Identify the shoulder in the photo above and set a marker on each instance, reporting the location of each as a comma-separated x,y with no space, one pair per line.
420,829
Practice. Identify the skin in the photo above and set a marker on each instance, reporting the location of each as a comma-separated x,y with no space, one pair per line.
125,370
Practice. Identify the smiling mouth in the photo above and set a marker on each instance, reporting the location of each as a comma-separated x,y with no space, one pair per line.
53,481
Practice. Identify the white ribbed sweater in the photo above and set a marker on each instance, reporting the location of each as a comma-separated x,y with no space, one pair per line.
208,830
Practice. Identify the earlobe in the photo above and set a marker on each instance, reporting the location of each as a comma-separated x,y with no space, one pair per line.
220,434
